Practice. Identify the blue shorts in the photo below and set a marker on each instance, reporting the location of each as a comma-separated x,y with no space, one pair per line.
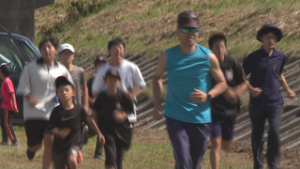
223,127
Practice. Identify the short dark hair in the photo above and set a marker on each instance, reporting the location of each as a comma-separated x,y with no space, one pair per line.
5,69
216,37
116,41
52,39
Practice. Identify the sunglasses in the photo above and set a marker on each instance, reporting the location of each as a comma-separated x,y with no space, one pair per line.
187,30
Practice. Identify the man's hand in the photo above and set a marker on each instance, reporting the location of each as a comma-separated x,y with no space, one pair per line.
255,91
291,94
61,133
157,112
32,101
231,95
198,96
101,139
120,116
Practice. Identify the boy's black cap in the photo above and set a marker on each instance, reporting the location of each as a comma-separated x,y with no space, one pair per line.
113,73
100,59
62,80
2,67
269,27
188,19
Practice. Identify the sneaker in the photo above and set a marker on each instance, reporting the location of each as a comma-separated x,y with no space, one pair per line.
30,155
15,144
99,157
79,158
4,143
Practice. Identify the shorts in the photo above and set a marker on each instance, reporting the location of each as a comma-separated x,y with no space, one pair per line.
223,127
60,160
114,148
35,130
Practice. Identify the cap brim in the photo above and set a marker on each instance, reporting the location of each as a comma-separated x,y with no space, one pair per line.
62,80
65,49
276,31
189,25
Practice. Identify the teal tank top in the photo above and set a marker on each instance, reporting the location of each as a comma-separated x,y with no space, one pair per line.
186,72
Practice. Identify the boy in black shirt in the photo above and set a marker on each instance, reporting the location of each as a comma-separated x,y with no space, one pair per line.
113,107
66,124
225,107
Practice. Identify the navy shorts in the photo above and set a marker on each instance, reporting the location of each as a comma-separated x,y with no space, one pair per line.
223,127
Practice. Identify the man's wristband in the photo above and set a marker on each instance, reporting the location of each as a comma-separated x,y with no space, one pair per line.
208,97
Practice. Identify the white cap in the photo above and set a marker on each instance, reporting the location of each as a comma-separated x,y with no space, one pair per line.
66,46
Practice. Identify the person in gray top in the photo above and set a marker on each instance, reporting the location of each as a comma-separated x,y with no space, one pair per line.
66,56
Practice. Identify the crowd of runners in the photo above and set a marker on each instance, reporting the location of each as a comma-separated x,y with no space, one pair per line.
63,111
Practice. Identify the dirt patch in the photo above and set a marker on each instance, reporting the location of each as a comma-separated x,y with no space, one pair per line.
240,154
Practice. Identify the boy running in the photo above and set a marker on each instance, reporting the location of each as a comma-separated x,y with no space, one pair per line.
113,107
37,86
66,124
8,106
66,56
225,107
98,63
266,66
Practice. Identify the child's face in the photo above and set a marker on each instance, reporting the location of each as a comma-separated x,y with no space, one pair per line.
48,51
269,40
66,56
1,75
65,92
112,83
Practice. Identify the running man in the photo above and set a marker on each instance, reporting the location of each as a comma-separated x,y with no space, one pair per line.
190,69
37,86
266,66
225,107
132,80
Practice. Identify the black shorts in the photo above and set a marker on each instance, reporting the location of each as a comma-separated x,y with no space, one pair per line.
115,147
61,159
35,130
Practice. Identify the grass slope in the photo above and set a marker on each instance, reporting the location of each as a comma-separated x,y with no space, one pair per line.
149,26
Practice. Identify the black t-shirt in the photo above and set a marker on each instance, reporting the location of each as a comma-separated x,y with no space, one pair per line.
234,76
105,106
72,119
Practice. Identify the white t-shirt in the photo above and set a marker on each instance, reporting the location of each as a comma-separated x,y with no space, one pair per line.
131,77
38,81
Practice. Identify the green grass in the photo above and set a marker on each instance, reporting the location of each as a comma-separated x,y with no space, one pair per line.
150,150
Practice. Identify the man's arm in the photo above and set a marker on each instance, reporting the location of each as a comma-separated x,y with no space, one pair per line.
218,76
157,85
286,87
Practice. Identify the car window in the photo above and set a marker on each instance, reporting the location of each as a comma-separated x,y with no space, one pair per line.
30,55
9,56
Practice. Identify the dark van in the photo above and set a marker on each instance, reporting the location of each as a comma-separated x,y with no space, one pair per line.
16,51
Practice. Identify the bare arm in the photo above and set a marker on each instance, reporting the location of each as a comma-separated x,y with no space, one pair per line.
218,76
85,97
14,102
157,85
134,93
96,129
286,87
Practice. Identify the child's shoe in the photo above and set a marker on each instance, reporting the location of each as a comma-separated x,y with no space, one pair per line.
4,143
15,144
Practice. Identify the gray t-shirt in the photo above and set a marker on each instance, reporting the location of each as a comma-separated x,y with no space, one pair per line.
77,74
